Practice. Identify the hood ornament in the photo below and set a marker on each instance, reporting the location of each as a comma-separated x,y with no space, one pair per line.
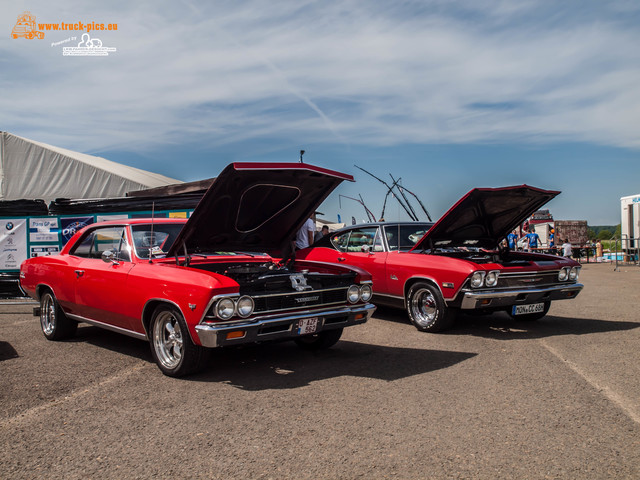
299,282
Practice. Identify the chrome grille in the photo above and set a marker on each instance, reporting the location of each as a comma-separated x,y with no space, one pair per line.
529,279
307,298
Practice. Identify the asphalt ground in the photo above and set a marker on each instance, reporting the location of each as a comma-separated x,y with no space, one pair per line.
492,398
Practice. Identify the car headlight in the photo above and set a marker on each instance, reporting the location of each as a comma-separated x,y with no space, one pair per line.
563,274
353,294
573,273
491,279
366,293
225,308
245,306
477,279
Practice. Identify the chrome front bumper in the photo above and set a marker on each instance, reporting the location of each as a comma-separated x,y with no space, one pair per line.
276,327
506,298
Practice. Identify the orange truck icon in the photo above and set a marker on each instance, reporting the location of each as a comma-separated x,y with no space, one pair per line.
26,27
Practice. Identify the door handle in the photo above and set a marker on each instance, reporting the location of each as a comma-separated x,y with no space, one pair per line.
79,273
341,259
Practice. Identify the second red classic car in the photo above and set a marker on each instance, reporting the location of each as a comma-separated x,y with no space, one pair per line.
186,286
435,270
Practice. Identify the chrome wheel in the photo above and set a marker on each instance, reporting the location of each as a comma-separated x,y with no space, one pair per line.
427,309
424,309
168,340
48,314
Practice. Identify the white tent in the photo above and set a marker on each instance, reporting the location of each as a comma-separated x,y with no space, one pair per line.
34,170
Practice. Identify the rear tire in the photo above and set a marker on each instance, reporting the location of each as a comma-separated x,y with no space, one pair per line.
319,341
427,310
171,346
531,317
54,323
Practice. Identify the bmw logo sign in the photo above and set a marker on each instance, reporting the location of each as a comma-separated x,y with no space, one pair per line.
9,226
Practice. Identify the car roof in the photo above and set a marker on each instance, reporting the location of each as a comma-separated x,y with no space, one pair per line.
140,221
384,224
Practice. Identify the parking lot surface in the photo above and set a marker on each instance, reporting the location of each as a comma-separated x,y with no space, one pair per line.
492,398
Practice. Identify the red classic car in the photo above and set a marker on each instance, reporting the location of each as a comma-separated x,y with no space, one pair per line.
209,281
458,263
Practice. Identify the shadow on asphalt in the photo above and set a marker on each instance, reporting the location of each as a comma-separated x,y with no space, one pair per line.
115,342
501,326
284,365
7,351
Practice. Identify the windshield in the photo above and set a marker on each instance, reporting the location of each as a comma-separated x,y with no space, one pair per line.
154,241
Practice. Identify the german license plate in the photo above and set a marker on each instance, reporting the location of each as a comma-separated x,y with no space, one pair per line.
308,325
524,309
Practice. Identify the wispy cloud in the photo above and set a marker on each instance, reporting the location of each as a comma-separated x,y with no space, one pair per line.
349,72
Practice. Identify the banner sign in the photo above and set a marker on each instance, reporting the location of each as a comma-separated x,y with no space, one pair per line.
44,250
43,229
13,243
69,226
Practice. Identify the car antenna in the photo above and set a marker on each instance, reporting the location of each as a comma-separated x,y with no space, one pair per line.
153,210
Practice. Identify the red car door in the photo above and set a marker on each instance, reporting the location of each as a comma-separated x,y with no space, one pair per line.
101,288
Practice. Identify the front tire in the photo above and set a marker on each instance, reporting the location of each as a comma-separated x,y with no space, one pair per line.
55,324
171,346
319,341
426,308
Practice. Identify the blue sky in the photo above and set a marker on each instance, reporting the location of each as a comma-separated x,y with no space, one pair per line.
447,95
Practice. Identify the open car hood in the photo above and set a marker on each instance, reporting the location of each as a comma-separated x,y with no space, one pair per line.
484,216
255,207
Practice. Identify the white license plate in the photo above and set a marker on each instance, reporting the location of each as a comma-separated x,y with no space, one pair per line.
524,309
308,325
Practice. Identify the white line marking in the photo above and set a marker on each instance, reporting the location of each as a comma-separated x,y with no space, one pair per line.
34,411
621,401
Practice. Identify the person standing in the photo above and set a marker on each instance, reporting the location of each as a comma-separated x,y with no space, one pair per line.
304,237
512,240
532,239
598,251
324,231
566,248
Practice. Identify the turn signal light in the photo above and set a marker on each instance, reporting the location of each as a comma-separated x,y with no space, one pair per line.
235,334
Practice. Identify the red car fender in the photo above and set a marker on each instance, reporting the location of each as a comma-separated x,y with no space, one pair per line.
190,290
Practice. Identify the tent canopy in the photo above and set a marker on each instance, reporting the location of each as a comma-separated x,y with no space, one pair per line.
34,170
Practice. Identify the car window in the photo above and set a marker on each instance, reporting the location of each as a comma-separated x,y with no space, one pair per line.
404,237
362,240
102,239
341,241
155,239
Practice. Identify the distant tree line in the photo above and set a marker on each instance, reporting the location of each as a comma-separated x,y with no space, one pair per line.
604,232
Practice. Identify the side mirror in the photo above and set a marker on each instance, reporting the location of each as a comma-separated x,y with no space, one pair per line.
109,256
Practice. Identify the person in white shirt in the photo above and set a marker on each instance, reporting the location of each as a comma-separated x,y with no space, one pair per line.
566,248
304,237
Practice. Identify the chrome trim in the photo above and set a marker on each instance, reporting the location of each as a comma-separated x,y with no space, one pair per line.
213,300
106,326
558,292
320,310
306,292
525,274
213,334
377,294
